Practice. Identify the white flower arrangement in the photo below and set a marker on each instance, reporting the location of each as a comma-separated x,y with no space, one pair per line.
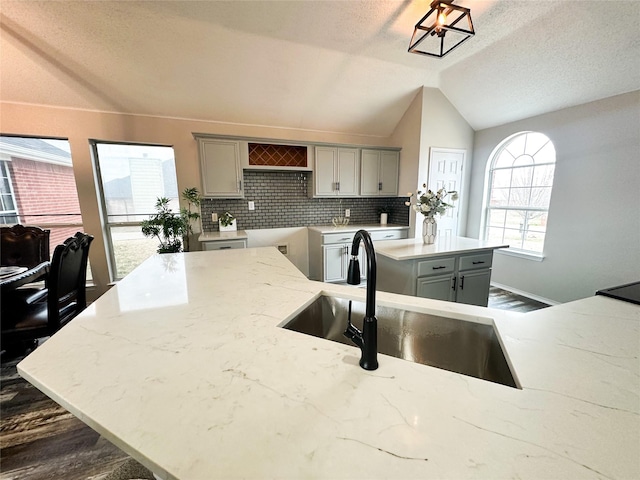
431,203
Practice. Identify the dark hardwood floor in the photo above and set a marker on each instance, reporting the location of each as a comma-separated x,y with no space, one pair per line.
504,300
41,440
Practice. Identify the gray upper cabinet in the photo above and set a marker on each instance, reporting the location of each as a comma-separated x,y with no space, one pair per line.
336,172
379,173
220,168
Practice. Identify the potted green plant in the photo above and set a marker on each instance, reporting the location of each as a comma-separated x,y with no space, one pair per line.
166,226
227,222
191,213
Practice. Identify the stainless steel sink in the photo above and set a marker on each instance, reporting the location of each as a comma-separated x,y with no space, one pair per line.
456,345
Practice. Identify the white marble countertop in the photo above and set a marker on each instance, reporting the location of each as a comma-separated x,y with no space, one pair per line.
188,371
411,248
355,228
220,236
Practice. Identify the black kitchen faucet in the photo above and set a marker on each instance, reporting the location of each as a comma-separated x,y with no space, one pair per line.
367,339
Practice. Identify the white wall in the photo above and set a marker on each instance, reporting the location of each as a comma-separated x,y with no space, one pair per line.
431,121
593,232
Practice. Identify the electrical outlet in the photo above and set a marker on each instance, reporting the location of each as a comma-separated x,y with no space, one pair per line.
252,205
214,217
347,212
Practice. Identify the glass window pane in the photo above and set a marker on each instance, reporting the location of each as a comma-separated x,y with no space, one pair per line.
543,175
540,197
519,197
495,234
523,160
522,177
533,242
516,146
523,181
537,222
131,248
513,238
133,177
496,218
501,178
547,154
535,141
499,197
515,219
505,159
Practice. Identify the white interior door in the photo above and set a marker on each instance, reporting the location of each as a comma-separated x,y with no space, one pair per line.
445,170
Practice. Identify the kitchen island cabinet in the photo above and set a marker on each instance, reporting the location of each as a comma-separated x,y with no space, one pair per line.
454,269
184,366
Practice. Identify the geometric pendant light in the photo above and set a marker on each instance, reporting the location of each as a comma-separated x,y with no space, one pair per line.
443,28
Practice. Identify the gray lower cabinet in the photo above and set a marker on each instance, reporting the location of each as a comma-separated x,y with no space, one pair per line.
461,278
438,287
330,252
224,244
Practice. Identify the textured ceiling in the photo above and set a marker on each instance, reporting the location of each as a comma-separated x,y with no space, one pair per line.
337,66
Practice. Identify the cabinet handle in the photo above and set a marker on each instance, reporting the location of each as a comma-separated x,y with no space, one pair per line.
338,186
224,248
379,185
388,236
478,262
462,282
438,267
345,239
453,284
240,185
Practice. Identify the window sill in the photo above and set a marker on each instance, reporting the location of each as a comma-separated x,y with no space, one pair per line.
537,257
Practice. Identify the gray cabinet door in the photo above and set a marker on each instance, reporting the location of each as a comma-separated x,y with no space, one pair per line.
473,287
325,171
369,166
348,172
335,263
220,168
438,287
389,167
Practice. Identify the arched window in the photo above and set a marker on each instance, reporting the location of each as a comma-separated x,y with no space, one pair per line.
519,182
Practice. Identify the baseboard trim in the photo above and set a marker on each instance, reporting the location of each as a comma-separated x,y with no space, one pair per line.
537,298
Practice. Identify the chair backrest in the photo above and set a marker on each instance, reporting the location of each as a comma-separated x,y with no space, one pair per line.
67,279
24,246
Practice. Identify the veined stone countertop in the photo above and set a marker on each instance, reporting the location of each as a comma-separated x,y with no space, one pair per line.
188,371
355,228
410,248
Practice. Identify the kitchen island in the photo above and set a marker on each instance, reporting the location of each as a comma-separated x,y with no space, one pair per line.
454,269
184,366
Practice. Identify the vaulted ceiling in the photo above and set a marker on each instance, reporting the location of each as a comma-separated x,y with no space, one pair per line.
336,66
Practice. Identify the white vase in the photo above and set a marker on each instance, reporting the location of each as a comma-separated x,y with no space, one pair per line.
429,230
383,218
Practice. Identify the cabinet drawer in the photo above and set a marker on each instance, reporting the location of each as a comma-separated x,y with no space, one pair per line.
330,238
387,234
480,260
436,266
224,245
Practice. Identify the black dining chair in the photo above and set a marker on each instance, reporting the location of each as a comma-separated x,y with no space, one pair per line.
26,246
66,296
